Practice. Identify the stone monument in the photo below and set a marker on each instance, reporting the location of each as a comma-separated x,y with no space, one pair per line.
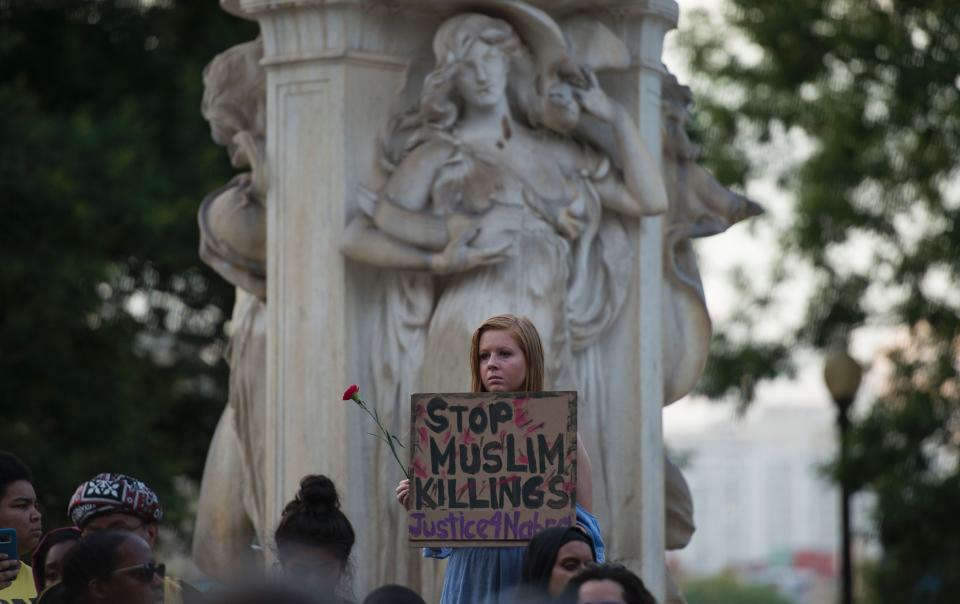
416,166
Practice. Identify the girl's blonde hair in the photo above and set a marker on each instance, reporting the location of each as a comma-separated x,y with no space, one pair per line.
526,336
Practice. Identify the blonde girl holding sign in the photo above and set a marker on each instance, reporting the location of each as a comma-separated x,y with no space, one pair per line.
506,355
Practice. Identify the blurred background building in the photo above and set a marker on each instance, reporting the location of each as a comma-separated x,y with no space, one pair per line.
758,489
766,512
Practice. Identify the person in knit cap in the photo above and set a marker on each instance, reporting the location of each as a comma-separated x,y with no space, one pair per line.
117,502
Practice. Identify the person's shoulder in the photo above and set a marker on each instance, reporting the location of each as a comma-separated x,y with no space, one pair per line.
172,590
22,590
178,591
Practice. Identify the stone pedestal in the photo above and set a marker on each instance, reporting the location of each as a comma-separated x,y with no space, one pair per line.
336,71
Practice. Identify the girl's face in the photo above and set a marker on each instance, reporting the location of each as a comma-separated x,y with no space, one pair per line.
503,367
310,567
52,566
482,77
571,559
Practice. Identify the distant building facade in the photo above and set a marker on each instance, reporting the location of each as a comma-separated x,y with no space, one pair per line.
764,510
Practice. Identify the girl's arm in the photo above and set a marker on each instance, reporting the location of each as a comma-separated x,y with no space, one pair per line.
584,476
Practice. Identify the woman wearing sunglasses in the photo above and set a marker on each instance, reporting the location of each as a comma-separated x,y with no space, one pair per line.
110,567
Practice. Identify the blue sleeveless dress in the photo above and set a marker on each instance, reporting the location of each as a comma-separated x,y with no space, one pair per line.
478,575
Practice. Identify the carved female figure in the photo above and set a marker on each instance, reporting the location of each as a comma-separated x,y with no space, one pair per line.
232,222
507,211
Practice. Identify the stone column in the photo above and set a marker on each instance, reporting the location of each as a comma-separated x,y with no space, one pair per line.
637,512
332,71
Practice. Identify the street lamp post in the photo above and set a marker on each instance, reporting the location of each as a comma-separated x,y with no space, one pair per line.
842,374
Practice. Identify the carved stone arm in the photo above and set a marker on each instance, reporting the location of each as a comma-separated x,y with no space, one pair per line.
642,191
421,229
364,242
410,184
640,173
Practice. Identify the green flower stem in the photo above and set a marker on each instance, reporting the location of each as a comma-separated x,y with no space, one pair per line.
387,436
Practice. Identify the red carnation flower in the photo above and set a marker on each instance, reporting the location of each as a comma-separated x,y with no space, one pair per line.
389,438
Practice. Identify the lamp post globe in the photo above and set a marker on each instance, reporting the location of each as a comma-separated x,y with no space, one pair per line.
842,374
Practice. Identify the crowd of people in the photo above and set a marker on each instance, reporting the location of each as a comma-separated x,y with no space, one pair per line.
108,555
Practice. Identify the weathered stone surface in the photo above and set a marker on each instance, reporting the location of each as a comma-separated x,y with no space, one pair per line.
547,192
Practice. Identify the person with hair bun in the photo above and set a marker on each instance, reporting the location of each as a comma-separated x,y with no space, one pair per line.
314,539
109,567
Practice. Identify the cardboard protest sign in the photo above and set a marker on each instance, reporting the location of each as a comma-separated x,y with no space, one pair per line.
491,468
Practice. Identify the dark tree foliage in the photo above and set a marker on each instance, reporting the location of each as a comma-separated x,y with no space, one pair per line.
111,330
875,87
905,451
